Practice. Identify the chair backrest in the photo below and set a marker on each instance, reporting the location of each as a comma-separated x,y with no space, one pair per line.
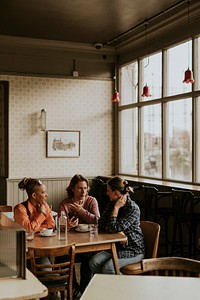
6,208
171,266
151,232
58,273
149,201
183,202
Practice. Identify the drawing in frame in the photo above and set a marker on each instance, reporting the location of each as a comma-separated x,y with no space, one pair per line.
63,143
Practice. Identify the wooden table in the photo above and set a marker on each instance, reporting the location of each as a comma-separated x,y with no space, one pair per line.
103,241
141,288
18,288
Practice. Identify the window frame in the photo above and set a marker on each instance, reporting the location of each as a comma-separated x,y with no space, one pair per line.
194,94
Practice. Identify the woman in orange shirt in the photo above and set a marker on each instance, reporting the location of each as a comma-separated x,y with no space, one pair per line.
34,213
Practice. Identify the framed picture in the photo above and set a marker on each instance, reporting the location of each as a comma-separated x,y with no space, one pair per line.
63,143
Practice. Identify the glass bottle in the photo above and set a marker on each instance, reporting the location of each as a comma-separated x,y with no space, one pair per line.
62,226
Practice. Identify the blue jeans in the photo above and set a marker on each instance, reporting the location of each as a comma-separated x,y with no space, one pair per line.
102,262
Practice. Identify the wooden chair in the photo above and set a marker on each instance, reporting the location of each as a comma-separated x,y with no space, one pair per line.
155,211
186,220
151,232
56,276
6,208
171,266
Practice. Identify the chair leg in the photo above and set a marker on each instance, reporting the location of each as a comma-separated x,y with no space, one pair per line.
174,238
191,241
166,235
181,238
62,295
194,237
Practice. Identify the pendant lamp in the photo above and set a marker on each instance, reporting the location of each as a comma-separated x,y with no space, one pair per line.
188,78
115,97
146,92
188,75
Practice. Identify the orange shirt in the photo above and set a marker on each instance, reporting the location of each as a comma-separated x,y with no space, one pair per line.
34,221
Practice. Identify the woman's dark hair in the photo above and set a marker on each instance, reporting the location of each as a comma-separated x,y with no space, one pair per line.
119,184
75,179
30,185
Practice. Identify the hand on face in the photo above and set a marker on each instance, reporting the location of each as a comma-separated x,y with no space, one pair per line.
42,209
121,201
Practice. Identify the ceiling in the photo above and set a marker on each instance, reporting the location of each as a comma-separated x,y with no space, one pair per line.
77,21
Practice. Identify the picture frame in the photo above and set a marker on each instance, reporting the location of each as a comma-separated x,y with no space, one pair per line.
63,143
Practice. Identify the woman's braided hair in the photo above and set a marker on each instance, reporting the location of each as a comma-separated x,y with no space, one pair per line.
30,185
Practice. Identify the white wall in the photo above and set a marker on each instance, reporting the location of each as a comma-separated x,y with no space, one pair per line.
77,104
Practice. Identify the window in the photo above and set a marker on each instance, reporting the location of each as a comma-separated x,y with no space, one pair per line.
159,135
151,75
179,135
129,83
177,63
151,141
129,141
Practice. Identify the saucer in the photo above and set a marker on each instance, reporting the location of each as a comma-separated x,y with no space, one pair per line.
80,230
45,235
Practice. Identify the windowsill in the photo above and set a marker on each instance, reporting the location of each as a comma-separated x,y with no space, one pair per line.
161,183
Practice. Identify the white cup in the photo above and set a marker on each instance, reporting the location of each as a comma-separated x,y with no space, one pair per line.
47,231
83,227
29,236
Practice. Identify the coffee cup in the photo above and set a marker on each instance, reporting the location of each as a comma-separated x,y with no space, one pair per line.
29,236
83,227
47,231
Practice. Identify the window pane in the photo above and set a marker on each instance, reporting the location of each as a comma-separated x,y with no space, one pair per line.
197,82
129,84
128,141
197,141
151,157
179,58
152,76
179,150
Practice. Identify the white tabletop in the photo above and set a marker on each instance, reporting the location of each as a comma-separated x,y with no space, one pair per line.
17,288
118,287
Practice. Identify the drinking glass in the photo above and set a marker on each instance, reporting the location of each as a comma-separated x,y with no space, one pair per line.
93,230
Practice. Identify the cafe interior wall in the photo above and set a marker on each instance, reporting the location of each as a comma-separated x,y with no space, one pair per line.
71,104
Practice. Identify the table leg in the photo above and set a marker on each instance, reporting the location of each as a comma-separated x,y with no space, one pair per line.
115,258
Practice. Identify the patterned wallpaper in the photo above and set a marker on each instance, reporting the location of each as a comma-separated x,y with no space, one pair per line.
77,104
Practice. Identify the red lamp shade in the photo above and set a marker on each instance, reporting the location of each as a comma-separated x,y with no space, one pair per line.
188,76
146,91
115,96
